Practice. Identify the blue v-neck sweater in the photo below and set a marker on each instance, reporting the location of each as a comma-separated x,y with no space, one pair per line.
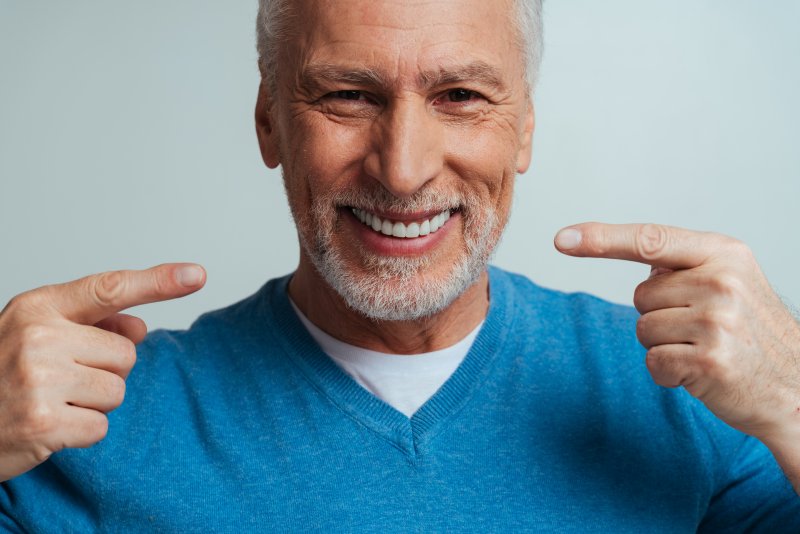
551,423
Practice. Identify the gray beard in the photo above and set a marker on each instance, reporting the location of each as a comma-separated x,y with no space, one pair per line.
397,288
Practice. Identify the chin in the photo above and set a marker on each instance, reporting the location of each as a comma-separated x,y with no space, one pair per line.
385,278
386,288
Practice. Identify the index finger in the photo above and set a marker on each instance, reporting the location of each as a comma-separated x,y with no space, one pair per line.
653,244
93,298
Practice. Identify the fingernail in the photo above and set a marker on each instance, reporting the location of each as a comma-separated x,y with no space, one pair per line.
189,275
568,239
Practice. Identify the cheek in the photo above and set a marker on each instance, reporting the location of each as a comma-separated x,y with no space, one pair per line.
324,160
486,159
327,152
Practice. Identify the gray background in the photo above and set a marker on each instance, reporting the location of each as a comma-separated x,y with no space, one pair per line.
126,140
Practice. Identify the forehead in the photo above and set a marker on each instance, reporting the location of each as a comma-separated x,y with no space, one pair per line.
402,38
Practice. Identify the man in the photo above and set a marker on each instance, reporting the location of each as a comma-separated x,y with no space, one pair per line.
399,128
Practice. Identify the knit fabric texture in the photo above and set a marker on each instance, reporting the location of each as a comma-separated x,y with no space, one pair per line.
550,424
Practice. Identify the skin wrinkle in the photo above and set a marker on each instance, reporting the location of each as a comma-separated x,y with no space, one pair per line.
472,147
315,78
523,21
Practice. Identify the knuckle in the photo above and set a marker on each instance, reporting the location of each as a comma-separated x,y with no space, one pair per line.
659,368
40,454
654,362
161,283
24,301
116,390
667,370
727,284
39,421
651,240
727,321
33,376
127,354
640,296
34,336
739,248
98,428
37,377
108,288
594,241
104,386
15,304
642,326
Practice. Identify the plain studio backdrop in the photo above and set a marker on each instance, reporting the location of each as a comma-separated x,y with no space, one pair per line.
127,140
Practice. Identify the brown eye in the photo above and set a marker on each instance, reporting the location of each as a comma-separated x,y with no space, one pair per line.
460,95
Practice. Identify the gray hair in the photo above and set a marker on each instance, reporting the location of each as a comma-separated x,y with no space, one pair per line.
274,17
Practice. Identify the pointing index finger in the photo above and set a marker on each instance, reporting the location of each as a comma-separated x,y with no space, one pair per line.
652,244
93,298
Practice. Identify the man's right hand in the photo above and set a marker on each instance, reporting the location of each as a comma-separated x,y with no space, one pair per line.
65,352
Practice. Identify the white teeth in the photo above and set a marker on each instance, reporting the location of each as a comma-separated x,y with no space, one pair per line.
401,230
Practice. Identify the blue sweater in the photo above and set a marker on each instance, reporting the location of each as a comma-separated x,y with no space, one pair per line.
551,423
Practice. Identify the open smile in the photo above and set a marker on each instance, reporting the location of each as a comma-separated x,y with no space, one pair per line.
401,234
402,229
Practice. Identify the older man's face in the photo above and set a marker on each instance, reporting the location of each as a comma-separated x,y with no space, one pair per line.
400,127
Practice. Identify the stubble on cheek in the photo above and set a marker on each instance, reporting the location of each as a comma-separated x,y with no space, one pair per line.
405,287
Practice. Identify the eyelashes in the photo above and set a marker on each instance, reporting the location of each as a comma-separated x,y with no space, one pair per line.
346,101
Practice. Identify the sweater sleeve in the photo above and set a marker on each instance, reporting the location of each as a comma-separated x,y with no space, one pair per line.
754,496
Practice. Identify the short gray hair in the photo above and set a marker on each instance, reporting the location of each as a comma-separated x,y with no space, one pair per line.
274,17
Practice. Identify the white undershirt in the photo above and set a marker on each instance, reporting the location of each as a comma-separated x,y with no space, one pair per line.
405,382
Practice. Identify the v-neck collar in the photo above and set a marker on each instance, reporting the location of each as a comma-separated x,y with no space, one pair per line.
410,435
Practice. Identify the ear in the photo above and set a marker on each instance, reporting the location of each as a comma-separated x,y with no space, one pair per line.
267,133
526,146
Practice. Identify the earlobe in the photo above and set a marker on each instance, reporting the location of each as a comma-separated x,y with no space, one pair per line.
266,132
526,146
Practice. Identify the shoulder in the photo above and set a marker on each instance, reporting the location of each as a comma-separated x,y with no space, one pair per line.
240,324
221,350
582,353
578,313
180,374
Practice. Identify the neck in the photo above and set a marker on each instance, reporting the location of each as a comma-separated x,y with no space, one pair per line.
327,310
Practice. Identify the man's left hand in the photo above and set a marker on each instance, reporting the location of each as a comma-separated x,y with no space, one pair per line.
711,323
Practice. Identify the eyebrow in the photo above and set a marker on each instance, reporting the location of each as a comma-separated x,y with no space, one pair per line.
476,71
315,76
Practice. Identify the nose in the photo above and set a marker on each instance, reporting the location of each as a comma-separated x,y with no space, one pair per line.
407,148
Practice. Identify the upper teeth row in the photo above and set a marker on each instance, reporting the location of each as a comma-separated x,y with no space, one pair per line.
398,229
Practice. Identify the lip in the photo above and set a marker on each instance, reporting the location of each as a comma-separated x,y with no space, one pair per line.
384,245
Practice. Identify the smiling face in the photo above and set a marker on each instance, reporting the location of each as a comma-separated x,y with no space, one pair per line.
400,128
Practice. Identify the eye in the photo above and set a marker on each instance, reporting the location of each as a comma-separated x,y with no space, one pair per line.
461,95
347,95
351,103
